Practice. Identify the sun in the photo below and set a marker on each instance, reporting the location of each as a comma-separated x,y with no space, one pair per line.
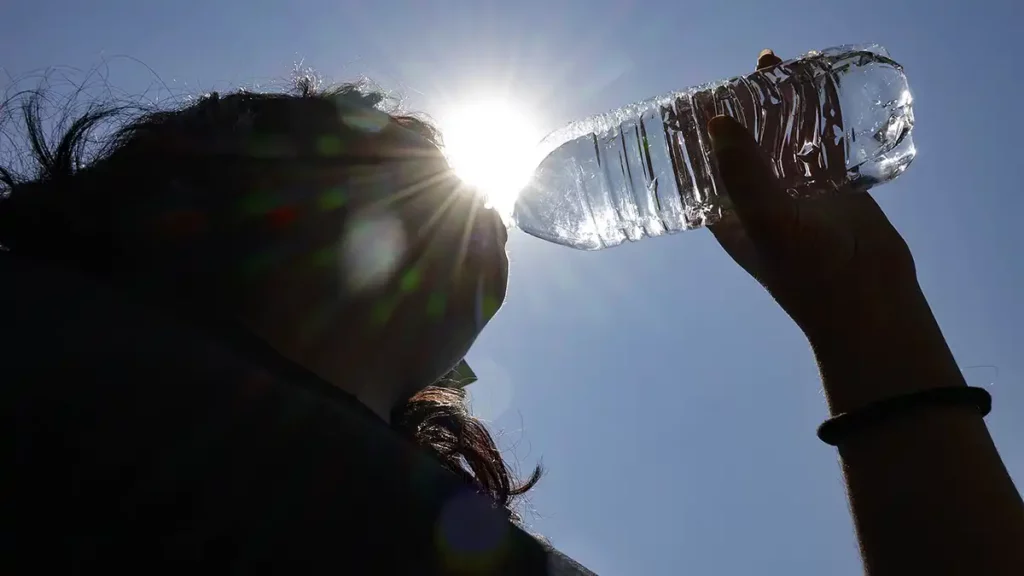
492,145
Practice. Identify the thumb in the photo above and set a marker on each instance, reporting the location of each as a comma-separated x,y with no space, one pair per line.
766,211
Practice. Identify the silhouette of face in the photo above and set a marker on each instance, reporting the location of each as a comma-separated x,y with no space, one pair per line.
390,266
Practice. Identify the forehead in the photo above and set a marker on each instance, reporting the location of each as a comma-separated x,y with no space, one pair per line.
333,140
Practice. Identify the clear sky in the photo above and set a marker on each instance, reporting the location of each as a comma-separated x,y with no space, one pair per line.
672,401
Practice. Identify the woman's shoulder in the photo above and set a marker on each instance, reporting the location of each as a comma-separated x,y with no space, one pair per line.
561,565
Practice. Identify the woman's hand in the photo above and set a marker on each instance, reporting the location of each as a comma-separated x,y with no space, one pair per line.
839,268
928,491
827,260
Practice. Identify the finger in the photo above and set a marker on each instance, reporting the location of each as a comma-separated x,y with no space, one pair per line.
766,211
767,59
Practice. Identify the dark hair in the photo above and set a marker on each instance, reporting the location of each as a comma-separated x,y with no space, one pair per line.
437,417
84,201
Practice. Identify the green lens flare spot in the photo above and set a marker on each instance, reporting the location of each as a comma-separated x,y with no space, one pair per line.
489,307
382,312
332,199
410,280
329,146
436,305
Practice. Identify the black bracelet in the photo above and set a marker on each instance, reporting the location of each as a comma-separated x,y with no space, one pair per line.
834,430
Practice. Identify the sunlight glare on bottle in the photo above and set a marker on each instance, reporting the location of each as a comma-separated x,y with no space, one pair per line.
492,145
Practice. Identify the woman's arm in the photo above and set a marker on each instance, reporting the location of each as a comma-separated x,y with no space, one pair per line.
928,491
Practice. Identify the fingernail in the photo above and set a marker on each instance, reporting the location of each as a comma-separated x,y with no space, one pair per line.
765,52
722,137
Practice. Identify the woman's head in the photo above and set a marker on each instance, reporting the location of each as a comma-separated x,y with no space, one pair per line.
334,231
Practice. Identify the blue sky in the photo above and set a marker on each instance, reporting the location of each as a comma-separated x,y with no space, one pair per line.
673,403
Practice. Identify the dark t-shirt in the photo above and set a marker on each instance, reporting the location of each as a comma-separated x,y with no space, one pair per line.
137,441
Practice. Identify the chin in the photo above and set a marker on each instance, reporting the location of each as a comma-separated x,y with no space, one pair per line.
436,361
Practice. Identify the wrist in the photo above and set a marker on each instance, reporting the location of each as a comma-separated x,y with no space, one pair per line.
888,347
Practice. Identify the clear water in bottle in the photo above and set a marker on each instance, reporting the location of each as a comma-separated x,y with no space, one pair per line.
832,120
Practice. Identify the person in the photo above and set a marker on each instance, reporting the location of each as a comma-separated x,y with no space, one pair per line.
331,230
336,234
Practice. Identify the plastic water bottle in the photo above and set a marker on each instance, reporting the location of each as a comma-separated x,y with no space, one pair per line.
836,119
